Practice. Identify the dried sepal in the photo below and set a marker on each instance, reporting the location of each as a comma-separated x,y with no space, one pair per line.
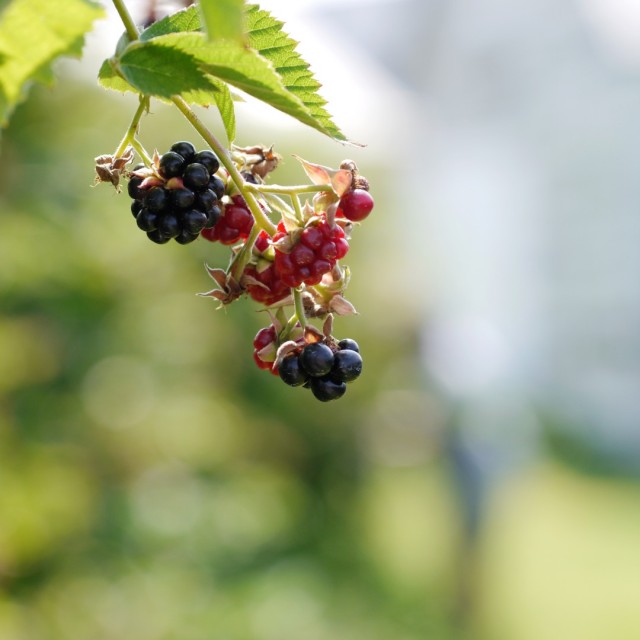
268,353
339,179
287,243
258,160
327,326
341,306
311,334
287,347
228,288
109,168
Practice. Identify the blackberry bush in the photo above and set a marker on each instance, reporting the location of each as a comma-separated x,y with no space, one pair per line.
286,243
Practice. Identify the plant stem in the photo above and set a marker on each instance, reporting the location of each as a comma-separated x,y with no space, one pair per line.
130,135
241,259
297,300
127,20
260,217
296,205
291,190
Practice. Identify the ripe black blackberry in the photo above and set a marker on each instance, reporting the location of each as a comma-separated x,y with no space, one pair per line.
323,368
179,197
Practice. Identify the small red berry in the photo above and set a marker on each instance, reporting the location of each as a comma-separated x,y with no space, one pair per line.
234,224
355,205
315,254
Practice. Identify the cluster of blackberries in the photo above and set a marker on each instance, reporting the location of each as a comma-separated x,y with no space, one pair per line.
180,197
325,371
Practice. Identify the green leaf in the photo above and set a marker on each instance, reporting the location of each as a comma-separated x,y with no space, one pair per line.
224,102
180,62
159,70
180,22
223,19
33,33
109,79
266,36
193,84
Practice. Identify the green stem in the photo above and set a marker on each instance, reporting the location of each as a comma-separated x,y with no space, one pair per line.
297,300
296,205
241,259
130,135
127,20
291,190
278,203
260,217
135,143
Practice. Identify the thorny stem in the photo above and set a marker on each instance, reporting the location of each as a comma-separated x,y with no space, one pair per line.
260,217
130,135
297,300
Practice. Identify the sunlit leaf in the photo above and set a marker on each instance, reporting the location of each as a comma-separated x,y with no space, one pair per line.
33,34
266,36
223,19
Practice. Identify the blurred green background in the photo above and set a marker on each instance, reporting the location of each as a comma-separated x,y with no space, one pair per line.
154,484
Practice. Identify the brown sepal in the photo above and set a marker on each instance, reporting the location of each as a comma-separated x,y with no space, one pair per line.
109,168
228,289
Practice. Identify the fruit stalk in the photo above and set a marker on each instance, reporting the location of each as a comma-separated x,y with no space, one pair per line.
299,306
130,135
291,190
259,216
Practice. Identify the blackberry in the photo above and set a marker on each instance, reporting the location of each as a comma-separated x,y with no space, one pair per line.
182,198
208,159
185,237
325,389
316,359
347,366
157,237
291,372
169,225
172,165
194,221
136,207
348,343
156,199
133,188
213,215
206,200
185,149
196,176
147,220
217,186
